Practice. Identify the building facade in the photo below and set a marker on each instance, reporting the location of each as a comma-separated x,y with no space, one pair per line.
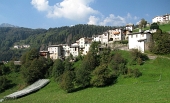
161,19
139,41
55,51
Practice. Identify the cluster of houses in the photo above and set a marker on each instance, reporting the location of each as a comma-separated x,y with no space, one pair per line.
138,40
161,19
21,46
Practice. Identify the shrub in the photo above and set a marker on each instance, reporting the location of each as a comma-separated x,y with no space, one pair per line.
102,76
67,81
58,68
138,57
136,73
4,83
133,73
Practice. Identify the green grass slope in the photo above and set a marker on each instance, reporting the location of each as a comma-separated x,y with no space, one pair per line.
163,27
152,87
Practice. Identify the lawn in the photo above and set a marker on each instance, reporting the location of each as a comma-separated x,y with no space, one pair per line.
152,87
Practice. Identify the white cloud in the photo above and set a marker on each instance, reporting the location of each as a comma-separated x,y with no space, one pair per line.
129,16
137,23
41,5
93,20
113,20
80,10
135,17
70,9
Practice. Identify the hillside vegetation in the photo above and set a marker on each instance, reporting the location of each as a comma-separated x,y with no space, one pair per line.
151,87
163,27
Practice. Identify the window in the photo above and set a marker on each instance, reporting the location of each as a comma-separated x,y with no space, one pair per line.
142,35
131,36
136,35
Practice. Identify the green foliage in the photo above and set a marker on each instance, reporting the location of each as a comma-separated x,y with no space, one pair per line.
4,70
117,64
160,43
5,83
67,65
142,23
133,73
124,42
83,76
102,76
154,26
13,67
152,86
58,68
34,67
138,57
67,81
9,36
94,47
105,56
137,73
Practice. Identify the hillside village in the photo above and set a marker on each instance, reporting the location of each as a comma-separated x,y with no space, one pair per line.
136,40
103,68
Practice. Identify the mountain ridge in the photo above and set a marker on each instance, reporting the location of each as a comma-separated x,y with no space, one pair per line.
8,25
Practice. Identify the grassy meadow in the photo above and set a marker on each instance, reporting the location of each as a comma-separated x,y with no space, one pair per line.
163,27
152,87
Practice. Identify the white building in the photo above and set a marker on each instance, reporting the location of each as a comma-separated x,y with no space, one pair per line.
84,45
115,35
65,50
139,41
96,38
105,38
166,18
26,46
129,27
74,50
86,49
55,51
161,19
16,46
157,19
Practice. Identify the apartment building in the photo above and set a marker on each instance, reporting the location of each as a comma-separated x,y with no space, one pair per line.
55,51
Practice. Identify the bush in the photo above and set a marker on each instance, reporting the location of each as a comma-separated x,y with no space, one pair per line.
4,83
67,80
124,42
136,73
138,57
133,73
58,68
102,76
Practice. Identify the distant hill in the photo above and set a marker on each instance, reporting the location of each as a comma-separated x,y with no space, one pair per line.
7,25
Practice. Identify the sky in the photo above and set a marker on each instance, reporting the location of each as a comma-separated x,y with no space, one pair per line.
57,13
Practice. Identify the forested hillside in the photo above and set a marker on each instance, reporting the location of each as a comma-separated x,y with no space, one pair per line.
37,38
10,36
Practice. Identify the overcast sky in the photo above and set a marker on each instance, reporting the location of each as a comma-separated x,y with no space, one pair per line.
57,13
